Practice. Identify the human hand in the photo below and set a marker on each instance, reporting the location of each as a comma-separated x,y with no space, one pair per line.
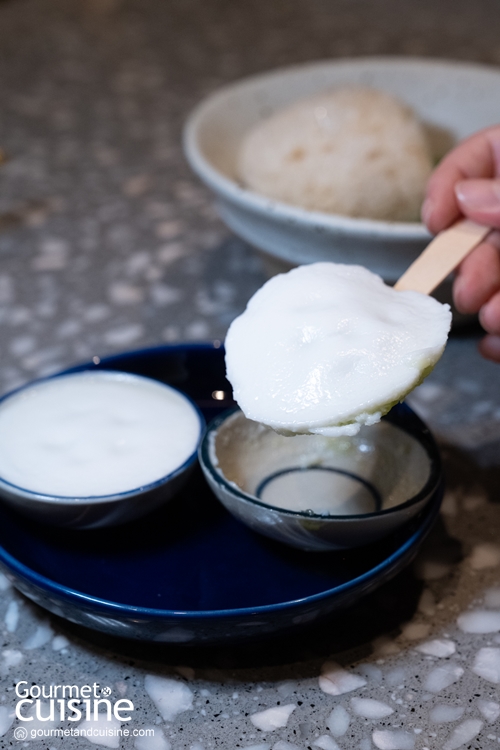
467,183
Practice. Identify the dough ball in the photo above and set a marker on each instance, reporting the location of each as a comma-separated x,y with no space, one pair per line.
352,151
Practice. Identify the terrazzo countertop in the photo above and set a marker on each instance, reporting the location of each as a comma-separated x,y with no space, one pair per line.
107,242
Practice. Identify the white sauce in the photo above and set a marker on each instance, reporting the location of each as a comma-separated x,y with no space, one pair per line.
328,347
94,434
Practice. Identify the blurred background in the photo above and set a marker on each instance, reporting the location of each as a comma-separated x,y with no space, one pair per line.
107,240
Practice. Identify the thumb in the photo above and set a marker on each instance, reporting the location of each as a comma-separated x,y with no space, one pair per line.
479,200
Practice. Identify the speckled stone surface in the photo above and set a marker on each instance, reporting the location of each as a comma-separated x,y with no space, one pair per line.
107,242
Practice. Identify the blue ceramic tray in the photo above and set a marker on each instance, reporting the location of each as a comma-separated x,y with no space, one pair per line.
189,572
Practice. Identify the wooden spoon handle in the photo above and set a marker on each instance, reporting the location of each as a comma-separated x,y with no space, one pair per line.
442,256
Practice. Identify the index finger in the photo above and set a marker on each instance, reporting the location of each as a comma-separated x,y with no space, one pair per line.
476,157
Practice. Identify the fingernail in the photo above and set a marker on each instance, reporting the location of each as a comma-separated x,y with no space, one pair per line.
427,209
478,195
484,315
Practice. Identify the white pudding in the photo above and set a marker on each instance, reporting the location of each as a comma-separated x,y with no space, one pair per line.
328,347
95,434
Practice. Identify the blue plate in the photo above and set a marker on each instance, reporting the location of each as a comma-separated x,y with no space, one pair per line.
189,572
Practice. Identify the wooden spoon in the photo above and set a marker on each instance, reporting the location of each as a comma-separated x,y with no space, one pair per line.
442,256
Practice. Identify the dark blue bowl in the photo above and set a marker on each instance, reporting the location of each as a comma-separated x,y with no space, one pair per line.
189,572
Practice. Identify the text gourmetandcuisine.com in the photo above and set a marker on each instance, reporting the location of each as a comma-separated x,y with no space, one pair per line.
21,733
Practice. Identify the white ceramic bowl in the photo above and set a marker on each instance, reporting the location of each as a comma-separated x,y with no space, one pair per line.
318,493
453,99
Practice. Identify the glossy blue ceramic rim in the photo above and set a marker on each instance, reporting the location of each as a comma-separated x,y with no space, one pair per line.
115,608
117,496
80,599
422,435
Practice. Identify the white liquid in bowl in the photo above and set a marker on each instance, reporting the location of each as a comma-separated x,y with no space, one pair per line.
94,434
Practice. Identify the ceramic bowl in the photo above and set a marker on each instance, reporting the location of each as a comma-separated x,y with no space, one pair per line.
319,493
80,512
452,99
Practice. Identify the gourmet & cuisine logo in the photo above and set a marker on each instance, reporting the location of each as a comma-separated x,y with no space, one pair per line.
69,703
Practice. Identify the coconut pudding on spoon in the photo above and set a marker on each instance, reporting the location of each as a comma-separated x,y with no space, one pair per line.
327,347
321,352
